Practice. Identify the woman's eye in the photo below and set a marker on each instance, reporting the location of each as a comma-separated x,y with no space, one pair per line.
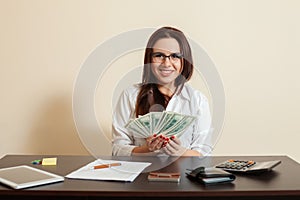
176,56
159,56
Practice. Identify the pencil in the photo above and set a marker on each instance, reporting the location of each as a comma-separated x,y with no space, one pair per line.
106,165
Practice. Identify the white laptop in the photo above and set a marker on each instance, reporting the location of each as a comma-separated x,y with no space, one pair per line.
24,176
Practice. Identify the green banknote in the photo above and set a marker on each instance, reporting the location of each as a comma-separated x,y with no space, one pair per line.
167,123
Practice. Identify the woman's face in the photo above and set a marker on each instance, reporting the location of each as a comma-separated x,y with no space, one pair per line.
166,61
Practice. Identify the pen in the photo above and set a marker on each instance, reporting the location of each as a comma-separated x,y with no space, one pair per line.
106,165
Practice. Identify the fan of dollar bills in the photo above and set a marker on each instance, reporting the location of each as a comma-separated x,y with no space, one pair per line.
167,123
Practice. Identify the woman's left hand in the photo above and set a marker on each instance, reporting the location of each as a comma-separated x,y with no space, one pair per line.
173,147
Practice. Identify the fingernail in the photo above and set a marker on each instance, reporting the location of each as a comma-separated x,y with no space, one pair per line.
154,135
160,136
172,137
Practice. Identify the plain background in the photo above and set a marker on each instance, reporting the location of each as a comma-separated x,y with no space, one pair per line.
255,45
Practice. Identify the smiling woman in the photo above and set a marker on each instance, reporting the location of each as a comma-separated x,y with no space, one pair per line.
168,65
166,70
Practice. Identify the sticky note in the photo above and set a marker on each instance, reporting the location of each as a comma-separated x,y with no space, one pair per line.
49,161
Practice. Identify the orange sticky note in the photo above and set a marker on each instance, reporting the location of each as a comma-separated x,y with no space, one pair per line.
49,161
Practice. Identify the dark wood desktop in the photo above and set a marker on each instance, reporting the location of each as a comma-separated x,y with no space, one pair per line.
281,183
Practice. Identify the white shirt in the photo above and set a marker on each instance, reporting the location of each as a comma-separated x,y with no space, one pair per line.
189,102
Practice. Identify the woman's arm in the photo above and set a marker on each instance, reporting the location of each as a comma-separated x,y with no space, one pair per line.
122,140
190,152
202,134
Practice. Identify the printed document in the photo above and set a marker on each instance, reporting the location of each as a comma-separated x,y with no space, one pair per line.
125,171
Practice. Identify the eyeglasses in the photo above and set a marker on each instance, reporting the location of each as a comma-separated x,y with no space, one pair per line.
159,57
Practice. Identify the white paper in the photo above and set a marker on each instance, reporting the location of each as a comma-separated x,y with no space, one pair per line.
127,171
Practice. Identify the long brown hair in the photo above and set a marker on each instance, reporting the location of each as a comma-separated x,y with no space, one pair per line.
149,95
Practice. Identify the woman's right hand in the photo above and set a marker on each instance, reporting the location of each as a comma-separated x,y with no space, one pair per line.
155,142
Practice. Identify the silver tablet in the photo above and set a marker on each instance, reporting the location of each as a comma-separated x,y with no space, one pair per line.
24,176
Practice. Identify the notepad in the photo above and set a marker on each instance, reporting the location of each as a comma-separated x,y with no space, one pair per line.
24,176
49,161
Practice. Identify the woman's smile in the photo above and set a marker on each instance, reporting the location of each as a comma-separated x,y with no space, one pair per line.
166,71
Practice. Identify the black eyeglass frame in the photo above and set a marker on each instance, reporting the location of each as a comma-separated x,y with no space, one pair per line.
172,56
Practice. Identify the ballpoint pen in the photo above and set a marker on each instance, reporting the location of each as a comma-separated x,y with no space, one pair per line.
106,165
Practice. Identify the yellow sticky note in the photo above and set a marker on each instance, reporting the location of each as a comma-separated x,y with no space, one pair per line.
49,161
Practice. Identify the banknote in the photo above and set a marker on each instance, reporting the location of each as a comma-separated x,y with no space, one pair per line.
136,129
180,127
167,123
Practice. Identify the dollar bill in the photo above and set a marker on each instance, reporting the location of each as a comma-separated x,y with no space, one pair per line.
155,118
167,123
170,122
180,127
164,120
145,122
136,129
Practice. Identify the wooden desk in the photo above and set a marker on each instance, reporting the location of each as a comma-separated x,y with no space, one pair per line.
281,183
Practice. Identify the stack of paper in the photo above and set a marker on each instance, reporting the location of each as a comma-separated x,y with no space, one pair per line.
166,123
124,171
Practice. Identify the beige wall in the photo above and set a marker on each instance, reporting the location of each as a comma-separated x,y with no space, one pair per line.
255,45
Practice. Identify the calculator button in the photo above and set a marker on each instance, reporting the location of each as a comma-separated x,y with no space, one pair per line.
236,165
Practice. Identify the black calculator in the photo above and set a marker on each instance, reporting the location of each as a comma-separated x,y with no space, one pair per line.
247,166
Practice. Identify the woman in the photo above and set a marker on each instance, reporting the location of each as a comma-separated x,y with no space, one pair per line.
168,65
